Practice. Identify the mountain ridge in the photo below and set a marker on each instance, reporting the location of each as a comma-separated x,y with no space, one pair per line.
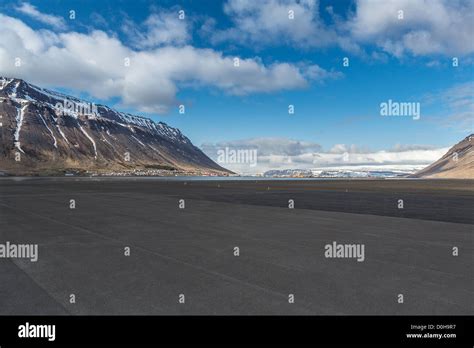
457,163
53,132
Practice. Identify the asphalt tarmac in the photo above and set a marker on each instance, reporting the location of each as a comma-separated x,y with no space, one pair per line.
281,251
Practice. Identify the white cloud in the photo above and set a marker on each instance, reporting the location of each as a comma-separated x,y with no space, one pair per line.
267,146
428,26
161,28
283,153
343,148
317,73
267,21
51,20
94,63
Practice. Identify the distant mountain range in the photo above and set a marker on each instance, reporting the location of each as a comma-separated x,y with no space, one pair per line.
335,173
457,163
45,132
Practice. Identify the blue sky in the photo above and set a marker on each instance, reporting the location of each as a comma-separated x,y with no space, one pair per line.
403,56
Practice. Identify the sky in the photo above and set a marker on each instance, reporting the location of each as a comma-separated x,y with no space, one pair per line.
300,82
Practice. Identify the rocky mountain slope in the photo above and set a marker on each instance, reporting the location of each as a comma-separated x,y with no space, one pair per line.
45,132
457,163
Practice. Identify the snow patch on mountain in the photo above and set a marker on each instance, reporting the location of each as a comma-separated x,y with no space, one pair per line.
62,133
4,82
138,140
55,143
19,122
90,138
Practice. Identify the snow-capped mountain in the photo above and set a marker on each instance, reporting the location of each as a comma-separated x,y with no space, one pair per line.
336,173
45,131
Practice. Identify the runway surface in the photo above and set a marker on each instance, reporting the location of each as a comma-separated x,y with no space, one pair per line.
190,251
